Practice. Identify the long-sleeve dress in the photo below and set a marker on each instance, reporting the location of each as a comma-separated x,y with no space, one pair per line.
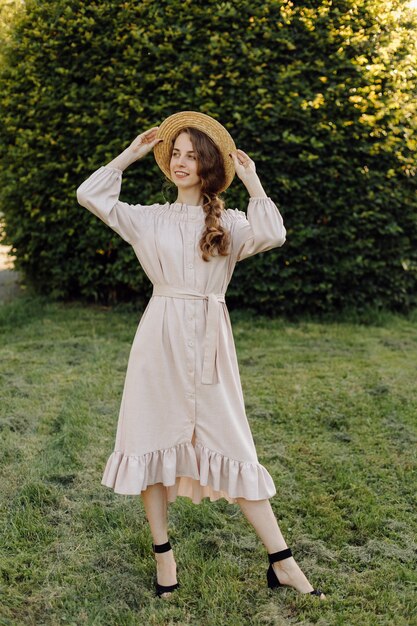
182,419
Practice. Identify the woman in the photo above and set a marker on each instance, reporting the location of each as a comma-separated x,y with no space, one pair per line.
182,427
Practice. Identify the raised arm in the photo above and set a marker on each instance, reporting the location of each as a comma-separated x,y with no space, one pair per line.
263,227
100,192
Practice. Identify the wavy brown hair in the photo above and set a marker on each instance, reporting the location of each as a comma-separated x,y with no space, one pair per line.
215,239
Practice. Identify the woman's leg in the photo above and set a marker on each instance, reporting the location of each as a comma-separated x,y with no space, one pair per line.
260,515
156,509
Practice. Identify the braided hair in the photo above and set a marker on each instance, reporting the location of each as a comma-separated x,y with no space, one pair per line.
215,239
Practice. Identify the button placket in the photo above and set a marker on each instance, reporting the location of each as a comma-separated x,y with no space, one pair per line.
190,323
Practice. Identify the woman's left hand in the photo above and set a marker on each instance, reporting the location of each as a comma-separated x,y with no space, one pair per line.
246,171
244,165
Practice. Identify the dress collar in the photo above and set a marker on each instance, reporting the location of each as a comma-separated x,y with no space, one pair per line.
188,209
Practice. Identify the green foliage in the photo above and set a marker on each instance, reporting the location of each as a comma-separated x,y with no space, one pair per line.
8,9
322,95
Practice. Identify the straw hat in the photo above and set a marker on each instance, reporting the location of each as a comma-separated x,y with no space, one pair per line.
174,123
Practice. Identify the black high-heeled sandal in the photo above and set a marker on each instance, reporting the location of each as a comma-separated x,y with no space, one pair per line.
160,589
272,578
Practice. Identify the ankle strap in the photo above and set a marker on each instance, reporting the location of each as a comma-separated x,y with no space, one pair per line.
279,556
162,547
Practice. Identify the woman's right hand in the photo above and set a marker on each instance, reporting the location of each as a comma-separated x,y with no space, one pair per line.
144,143
140,146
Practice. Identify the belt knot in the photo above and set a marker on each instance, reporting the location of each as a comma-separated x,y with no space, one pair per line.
212,327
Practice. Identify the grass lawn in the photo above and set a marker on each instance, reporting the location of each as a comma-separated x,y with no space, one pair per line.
333,410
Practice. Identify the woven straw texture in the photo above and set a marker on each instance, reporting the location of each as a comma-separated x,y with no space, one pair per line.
173,124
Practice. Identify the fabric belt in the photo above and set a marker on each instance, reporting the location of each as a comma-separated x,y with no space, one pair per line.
212,327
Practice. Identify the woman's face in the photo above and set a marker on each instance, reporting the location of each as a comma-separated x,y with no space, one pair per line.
184,164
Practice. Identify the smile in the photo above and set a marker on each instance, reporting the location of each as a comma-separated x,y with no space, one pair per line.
181,174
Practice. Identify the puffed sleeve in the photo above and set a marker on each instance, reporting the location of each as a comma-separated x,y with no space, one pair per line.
260,230
100,195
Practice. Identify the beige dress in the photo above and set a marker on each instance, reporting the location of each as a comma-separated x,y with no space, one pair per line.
182,418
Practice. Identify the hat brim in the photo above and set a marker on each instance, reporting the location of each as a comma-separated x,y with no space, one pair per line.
174,123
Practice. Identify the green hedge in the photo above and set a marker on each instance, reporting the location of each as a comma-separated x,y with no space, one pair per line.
322,95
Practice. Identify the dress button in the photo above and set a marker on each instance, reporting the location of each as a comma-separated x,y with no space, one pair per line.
190,343
190,318
190,265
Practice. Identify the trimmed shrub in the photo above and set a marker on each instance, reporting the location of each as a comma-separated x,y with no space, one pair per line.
322,95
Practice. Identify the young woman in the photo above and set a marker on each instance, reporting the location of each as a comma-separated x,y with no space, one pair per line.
182,427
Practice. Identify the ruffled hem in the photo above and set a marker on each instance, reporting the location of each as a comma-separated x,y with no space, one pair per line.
194,472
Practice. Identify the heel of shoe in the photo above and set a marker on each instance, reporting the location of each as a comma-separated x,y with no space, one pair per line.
272,579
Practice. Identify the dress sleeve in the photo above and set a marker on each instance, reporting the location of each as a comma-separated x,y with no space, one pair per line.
100,195
260,230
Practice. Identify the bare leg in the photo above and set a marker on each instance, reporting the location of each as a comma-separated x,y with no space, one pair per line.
260,515
156,509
